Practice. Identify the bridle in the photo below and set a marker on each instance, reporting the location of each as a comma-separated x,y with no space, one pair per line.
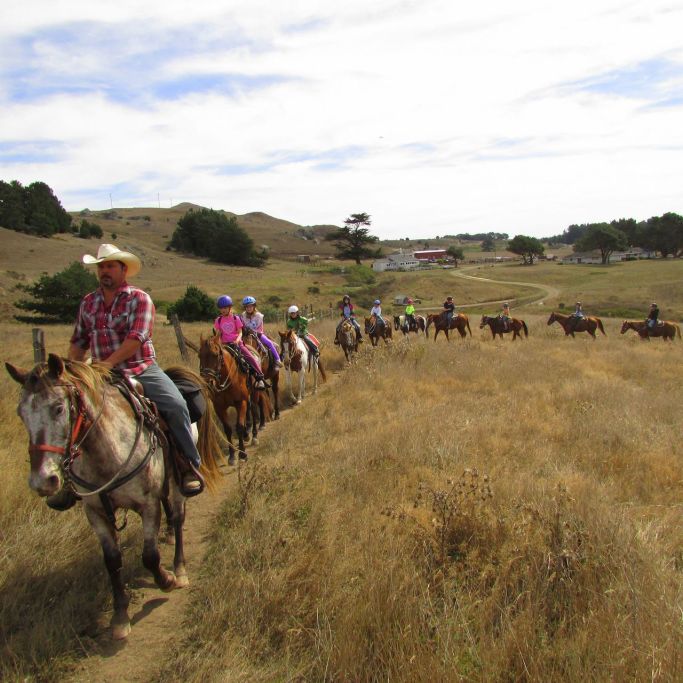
292,351
213,376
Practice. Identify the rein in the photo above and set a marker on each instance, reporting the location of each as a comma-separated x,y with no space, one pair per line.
214,376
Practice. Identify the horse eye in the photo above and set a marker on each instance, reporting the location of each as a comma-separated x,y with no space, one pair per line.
58,409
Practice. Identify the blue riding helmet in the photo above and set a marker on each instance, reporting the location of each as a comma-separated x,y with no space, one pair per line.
248,300
377,302
223,301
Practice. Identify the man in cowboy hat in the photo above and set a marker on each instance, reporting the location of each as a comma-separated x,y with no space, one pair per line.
115,322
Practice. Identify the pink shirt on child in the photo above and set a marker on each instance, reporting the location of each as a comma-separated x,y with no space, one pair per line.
229,326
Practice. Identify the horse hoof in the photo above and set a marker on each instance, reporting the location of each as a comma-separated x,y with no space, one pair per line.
231,459
171,585
120,631
298,401
168,537
182,581
243,456
254,441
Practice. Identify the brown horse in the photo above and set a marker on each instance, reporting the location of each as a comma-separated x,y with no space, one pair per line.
377,332
346,338
459,322
229,389
270,372
666,329
570,324
96,437
497,326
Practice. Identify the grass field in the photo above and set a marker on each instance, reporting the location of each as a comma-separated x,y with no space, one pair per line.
621,290
468,511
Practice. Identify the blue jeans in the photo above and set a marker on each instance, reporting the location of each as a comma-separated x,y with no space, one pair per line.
160,388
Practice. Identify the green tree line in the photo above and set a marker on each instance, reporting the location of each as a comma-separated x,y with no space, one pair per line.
33,209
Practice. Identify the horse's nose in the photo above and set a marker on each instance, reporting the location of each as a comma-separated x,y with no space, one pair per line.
45,486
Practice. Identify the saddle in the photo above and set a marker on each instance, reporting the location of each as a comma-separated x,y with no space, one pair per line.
242,362
133,391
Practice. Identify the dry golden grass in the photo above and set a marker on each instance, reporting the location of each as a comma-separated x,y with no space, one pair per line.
363,544
367,546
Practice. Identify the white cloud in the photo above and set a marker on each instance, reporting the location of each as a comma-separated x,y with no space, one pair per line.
461,118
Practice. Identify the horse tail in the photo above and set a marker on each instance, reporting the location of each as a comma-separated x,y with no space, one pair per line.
265,405
211,436
526,329
322,370
602,329
678,330
467,322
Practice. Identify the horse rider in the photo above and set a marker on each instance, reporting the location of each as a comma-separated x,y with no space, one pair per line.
230,327
253,320
115,323
376,310
346,312
299,323
652,316
410,315
576,317
448,309
505,316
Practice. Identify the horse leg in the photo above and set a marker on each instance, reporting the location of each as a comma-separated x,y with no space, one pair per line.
228,435
242,429
290,385
120,623
178,507
151,519
275,382
169,535
255,407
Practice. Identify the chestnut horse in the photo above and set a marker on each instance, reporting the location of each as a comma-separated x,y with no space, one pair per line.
229,389
665,329
270,372
459,322
346,338
498,327
570,324
101,440
377,332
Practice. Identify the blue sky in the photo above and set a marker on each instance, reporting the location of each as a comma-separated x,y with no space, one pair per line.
432,116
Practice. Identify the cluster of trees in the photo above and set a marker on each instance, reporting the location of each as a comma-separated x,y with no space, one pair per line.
526,247
86,230
33,209
354,240
194,306
216,236
56,298
663,234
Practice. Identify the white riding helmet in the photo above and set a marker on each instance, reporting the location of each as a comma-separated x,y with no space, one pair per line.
293,309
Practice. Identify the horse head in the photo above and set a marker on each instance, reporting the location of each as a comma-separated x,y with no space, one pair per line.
211,360
627,325
397,322
49,408
552,318
484,321
370,324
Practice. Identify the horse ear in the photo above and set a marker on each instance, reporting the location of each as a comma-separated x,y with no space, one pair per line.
56,365
19,375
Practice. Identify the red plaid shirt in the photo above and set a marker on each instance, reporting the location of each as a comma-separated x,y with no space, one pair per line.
103,330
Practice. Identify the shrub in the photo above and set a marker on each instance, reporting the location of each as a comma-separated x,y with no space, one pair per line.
194,305
56,298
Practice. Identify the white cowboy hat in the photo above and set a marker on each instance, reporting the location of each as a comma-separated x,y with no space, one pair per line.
110,252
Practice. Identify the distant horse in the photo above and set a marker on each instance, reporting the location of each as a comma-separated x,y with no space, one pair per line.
401,323
666,329
270,372
346,338
586,324
458,322
498,326
105,442
377,332
296,358
229,389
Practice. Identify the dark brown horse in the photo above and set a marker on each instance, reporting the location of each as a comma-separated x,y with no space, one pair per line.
270,372
497,326
401,323
346,338
377,332
666,329
229,389
570,324
459,322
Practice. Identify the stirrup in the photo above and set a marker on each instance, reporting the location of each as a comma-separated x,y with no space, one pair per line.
192,483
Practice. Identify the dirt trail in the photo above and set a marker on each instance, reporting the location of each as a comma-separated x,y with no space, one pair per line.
156,617
548,291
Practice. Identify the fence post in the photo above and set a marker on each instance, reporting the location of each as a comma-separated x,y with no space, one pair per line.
179,336
38,345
